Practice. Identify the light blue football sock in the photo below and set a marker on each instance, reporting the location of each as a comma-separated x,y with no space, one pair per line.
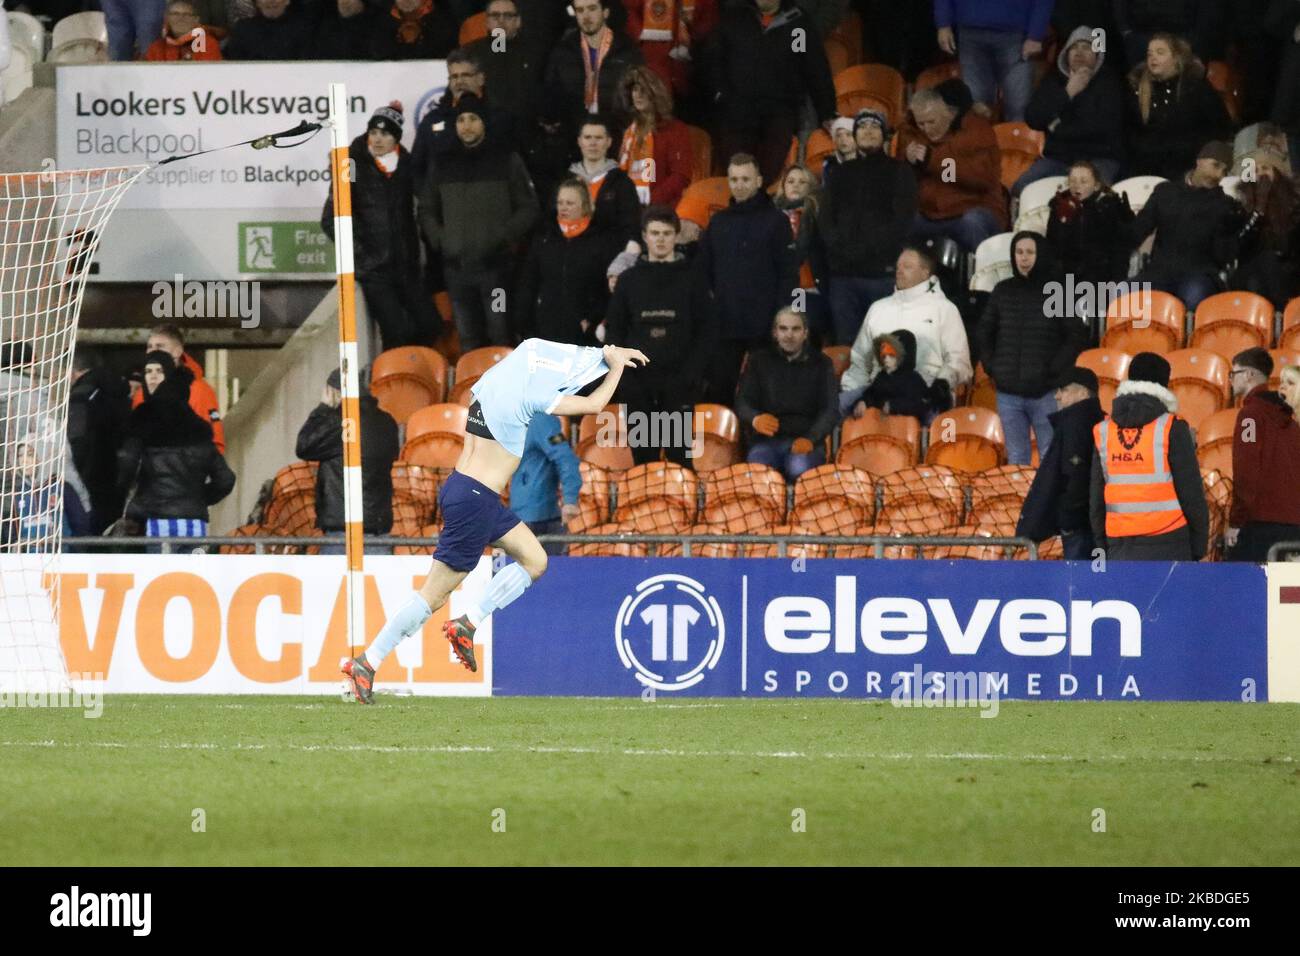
409,619
507,584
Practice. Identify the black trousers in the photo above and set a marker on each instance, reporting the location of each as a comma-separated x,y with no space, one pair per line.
723,371
393,300
645,396
766,136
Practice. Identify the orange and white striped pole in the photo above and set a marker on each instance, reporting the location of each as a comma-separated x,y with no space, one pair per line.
340,176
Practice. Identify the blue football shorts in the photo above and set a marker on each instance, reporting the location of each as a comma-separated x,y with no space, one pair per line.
472,518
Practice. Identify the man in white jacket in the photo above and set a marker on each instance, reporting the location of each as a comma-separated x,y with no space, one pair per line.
919,306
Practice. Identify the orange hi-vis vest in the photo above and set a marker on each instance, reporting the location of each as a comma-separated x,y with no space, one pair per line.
1140,496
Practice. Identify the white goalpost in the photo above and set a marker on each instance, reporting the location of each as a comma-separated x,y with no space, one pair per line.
50,225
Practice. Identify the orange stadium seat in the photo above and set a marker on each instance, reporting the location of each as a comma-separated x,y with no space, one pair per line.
1218,496
471,366
1145,322
1199,378
436,435
593,498
934,75
1020,147
819,146
983,393
921,516
793,550
704,550
1281,359
243,531
839,55
852,485
920,483
669,489
416,484
754,488
720,431
1214,441
703,198
404,380
425,531
967,439
871,86
840,356
1231,322
701,153
595,445
623,549
473,28
1111,368
1004,484
299,476
880,444
1290,337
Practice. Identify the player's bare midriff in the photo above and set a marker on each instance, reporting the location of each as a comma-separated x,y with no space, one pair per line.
488,462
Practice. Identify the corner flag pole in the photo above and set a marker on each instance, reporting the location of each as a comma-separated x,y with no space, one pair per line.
340,169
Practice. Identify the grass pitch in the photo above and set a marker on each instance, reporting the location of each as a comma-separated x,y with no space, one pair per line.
585,781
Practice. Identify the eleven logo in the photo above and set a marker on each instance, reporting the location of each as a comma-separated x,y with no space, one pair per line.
680,626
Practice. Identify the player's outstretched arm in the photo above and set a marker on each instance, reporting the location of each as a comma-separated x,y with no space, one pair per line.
617,359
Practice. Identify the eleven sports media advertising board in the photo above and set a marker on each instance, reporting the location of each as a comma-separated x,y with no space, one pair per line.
235,213
701,627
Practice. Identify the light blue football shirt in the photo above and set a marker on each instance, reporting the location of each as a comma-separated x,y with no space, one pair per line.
529,381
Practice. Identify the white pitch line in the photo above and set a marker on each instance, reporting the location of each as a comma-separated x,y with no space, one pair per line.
637,752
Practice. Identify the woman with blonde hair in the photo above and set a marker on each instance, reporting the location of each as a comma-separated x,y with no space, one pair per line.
656,148
1289,389
1174,109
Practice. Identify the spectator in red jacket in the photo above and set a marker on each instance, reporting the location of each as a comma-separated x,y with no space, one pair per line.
656,148
184,37
958,171
1265,462
666,30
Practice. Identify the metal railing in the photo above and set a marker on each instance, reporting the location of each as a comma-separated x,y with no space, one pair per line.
261,543
1283,547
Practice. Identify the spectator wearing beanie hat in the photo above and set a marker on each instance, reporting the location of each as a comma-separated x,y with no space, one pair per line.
1058,500
846,147
414,30
476,208
1198,228
321,440
1147,501
1265,463
868,206
386,252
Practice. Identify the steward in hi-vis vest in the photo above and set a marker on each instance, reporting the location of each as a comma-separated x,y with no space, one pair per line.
1147,497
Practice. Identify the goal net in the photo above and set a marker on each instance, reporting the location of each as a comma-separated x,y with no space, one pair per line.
50,226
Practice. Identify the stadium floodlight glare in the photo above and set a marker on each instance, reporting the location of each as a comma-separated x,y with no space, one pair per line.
50,225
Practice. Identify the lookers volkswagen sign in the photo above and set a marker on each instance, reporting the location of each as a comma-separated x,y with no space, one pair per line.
770,627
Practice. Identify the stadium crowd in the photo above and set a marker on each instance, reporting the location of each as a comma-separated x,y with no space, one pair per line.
569,184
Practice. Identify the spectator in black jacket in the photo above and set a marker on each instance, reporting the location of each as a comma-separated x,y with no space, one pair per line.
1198,229
1028,345
279,31
1088,226
414,30
436,131
616,208
869,206
898,388
168,468
344,30
514,65
1139,20
386,252
748,258
1269,262
1080,106
798,199
661,306
99,405
769,59
574,87
788,400
477,206
1057,502
563,291
321,440
1172,110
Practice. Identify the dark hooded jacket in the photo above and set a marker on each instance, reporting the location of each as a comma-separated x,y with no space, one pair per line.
1137,404
564,283
1025,348
99,406
869,206
1058,499
383,213
903,390
1198,230
761,70
168,453
663,309
1089,126
321,439
800,391
1092,235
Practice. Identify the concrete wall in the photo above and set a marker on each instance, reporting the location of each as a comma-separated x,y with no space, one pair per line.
262,428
